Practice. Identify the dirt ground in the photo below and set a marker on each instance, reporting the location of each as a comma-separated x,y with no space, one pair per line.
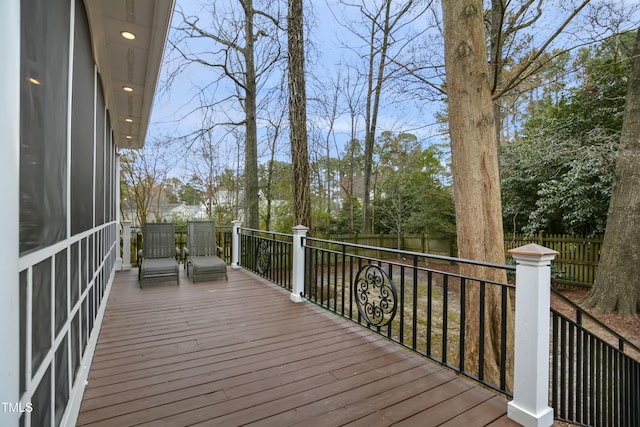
630,329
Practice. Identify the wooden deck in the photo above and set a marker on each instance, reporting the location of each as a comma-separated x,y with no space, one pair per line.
239,352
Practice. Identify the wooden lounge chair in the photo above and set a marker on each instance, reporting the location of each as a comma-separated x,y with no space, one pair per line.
202,252
159,251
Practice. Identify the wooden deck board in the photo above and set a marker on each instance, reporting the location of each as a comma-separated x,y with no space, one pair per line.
238,352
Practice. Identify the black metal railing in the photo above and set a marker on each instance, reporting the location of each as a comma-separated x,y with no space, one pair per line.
595,379
268,254
419,301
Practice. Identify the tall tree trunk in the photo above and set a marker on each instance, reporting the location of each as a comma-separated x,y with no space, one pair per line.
298,116
373,105
252,214
369,139
476,179
269,191
617,286
495,52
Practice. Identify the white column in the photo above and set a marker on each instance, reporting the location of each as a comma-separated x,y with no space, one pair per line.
9,214
126,245
235,244
530,404
297,285
119,264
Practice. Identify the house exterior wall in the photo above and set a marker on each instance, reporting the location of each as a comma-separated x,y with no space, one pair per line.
59,225
9,194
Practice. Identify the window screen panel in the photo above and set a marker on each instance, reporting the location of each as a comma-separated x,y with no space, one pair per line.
109,163
61,290
41,401
84,265
100,156
44,69
40,313
82,108
75,273
75,345
23,330
85,327
92,260
62,380
91,307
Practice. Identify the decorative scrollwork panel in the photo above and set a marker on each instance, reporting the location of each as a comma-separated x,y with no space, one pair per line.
375,295
263,257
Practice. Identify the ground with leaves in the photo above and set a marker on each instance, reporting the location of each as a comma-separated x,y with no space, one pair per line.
630,329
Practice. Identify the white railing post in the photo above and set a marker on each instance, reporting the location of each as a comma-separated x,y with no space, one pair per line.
530,404
235,244
126,245
297,285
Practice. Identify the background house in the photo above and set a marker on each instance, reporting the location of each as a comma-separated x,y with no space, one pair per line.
77,83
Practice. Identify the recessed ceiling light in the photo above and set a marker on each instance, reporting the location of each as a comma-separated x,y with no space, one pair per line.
127,88
128,137
34,80
128,35
128,120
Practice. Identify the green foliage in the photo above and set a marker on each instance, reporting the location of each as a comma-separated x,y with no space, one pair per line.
177,219
191,192
577,201
283,219
558,177
322,221
275,180
411,196
276,196
349,219
171,187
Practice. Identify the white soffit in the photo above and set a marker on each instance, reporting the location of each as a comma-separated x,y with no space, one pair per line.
132,63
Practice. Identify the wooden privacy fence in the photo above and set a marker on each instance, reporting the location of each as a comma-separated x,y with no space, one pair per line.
445,246
577,260
575,265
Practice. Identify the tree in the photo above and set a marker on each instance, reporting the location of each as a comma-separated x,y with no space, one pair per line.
476,179
298,116
206,168
273,135
617,286
142,174
239,60
412,198
388,32
557,184
192,192
349,218
335,95
529,39
171,187
557,177
275,184
396,202
228,199
326,100
507,22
